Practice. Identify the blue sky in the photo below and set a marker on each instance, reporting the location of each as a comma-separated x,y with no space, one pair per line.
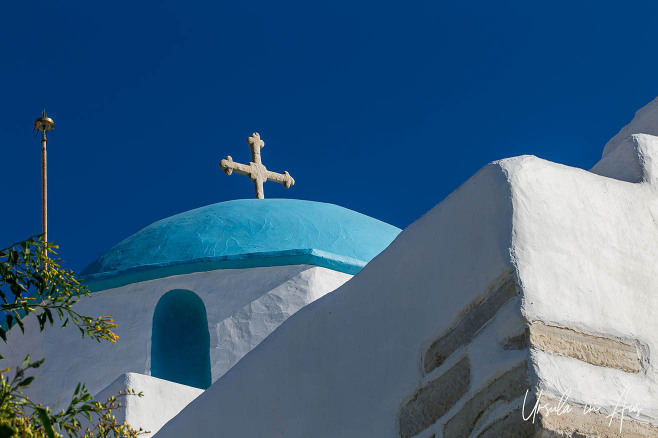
381,107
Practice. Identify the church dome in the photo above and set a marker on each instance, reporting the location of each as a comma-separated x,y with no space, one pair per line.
243,234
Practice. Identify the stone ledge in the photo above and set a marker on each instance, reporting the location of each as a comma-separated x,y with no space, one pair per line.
507,387
591,425
434,399
594,350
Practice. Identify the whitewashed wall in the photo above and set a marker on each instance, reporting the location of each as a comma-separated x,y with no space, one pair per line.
583,247
243,306
161,401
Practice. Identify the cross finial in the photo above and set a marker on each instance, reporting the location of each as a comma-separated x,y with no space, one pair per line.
255,169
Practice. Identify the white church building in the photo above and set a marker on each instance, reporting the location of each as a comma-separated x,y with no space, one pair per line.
525,304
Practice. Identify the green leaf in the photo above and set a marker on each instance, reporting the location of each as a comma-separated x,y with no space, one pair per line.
26,382
49,315
45,420
26,362
20,325
77,388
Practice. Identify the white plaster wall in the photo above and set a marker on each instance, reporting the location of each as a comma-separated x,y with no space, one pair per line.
243,306
644,122
162,400
584,248
343,365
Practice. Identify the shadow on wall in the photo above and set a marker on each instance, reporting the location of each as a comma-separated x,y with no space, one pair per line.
180,346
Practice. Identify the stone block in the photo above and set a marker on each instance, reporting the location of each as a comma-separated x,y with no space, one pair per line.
507,388
434,399
595,350
576,423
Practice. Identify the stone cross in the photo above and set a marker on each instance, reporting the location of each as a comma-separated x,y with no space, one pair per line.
255,169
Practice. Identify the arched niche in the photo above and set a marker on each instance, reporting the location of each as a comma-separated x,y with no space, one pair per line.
180,344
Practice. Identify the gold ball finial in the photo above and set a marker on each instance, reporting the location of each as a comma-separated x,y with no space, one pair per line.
44,123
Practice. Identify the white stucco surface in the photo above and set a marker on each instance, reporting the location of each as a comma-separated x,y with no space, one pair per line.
583,246
342,365
586,254
644,122
243,306
161,401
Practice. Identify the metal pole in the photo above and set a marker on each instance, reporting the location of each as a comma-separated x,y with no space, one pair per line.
43,124
44,188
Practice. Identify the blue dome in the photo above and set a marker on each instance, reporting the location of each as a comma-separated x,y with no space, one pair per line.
242,234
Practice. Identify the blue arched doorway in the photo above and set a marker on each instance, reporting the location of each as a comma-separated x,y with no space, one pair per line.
180,344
